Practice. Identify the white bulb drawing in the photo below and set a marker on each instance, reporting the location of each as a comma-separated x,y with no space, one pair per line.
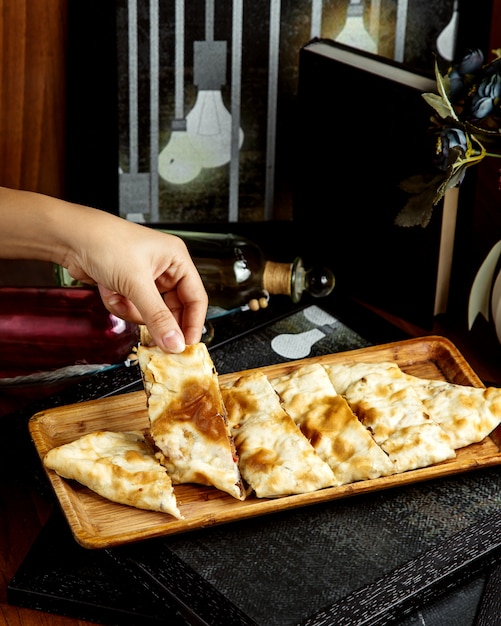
203,137
354,33
446,41
178,162
205,143
209,126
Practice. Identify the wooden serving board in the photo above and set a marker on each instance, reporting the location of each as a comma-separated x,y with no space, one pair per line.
98,523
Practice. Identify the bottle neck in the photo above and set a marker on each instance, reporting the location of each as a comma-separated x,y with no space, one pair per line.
291,279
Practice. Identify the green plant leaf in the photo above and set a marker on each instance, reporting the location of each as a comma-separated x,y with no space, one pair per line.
441,106
441,102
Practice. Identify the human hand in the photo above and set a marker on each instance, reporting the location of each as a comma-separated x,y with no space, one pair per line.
144,276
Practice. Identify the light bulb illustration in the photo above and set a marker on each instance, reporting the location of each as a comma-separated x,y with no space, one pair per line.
204,138
209,126
178,162
354,33
446,41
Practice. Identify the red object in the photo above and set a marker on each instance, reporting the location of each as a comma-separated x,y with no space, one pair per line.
49,328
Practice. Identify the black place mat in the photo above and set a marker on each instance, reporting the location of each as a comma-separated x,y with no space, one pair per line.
300,337
58,576
275,570
269,571
279,570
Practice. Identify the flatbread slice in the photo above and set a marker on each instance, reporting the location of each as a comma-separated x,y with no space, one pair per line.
327,421
275,457
467,414
119,466
187,418
391,409
342,375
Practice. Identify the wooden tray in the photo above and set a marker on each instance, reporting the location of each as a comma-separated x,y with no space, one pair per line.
98,523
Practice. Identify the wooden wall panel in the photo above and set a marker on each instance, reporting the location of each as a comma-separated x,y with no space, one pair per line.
32,94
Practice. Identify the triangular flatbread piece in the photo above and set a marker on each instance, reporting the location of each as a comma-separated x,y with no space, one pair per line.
391,409
467,414
327,421
342,375
187,418
386,404
119,466
275,457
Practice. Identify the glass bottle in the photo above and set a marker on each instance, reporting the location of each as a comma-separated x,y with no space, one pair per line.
237,275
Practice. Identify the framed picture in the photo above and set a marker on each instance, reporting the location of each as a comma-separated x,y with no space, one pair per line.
206,95
185,112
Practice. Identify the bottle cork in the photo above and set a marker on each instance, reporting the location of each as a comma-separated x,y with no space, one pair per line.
277,278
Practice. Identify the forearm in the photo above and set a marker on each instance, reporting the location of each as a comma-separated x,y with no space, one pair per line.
33,226
38,227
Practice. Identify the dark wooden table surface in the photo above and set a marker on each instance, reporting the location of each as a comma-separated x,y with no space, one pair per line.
24,510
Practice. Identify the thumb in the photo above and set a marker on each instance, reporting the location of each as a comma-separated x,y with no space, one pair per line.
152,311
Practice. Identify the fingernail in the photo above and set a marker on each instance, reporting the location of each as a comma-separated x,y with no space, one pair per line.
173,342
118,305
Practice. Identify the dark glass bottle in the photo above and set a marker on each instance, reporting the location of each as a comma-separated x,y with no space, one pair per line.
238,276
